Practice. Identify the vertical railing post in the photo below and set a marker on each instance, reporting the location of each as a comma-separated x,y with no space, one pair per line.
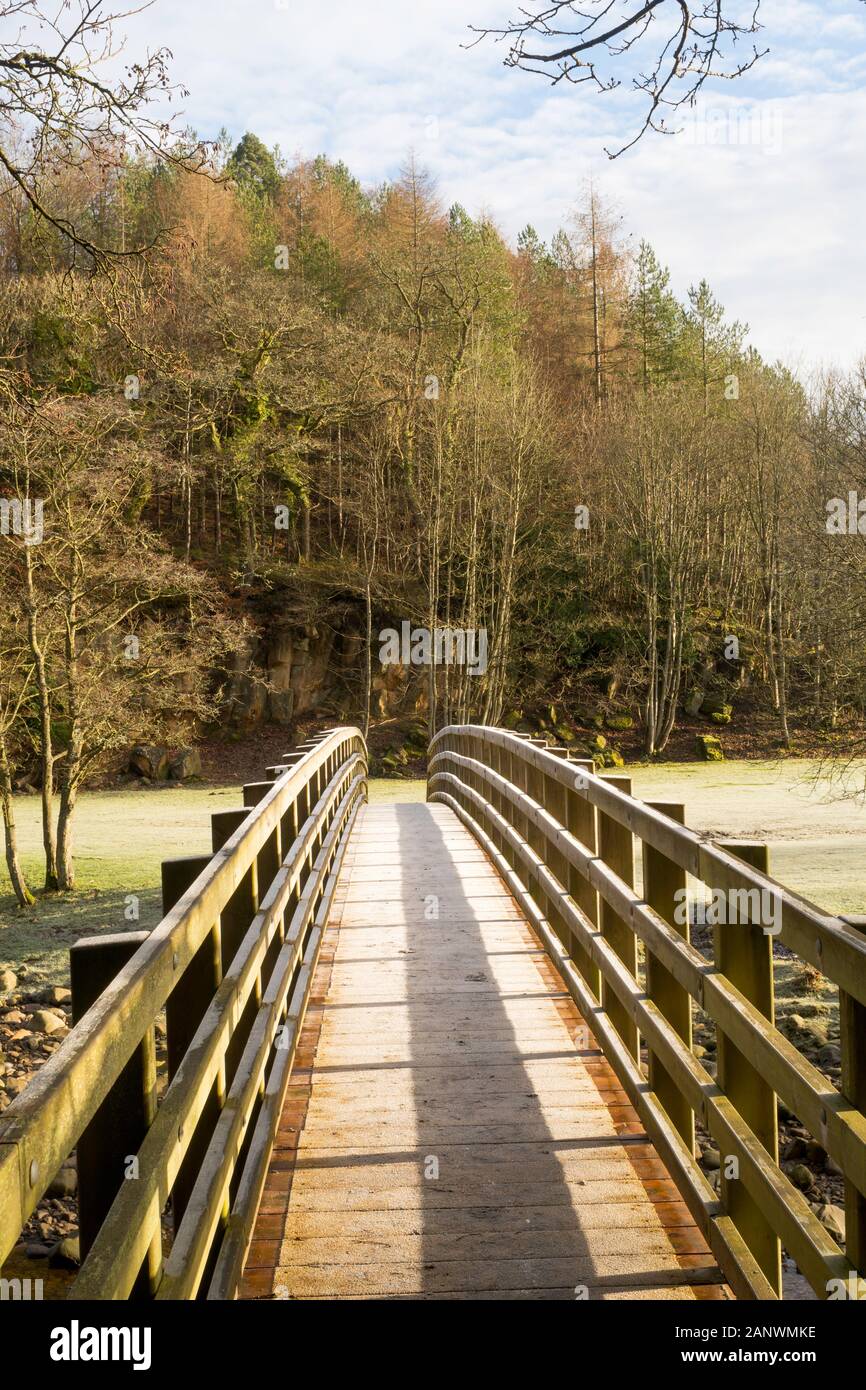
664,889
494,758
185,1008
581,823
520,779
235,920
268,861
744,954
536,788
556,803
507,762
852,1026
616,848
116,1132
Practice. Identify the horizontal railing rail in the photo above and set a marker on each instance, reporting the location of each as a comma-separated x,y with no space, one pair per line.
564,839
230,965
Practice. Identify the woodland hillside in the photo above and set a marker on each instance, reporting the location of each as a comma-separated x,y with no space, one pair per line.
285,413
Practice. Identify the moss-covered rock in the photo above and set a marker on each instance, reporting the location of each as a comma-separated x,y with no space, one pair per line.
620,722
722,716
598,743
416,739
710,748
715,704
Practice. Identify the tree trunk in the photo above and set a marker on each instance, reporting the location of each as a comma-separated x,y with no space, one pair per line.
16,873
46,744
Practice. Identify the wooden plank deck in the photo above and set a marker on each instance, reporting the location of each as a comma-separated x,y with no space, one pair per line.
452,1130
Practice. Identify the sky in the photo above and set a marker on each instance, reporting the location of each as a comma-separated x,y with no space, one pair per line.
763,193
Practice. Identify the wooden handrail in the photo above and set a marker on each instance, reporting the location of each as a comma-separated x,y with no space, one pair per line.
292,838
825,941
526,839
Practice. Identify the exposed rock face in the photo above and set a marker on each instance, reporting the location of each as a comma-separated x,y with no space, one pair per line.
309,678
288,672
295,669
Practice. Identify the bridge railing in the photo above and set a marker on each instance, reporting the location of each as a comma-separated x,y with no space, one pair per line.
564,838
229,970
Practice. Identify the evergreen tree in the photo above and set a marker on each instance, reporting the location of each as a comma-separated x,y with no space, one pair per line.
654,322
254,168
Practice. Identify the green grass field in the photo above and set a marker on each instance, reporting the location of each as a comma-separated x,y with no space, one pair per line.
818,845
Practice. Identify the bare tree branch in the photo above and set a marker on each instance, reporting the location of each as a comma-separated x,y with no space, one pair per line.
686,46
57,113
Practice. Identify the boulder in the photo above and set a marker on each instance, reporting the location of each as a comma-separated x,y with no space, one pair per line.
146,760
801,1176
55,994
611,757
45,1021
8,981
66,1254
709,748
694,701
65,1184
185,763
715,704
416,740
808,1034
620,722
832,1218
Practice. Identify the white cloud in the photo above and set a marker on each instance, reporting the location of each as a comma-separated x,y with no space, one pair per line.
764,197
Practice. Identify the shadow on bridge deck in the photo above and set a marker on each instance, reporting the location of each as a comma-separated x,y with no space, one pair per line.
452,1131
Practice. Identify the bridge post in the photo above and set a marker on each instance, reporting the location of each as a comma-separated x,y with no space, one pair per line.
616,848
852,1025
116,1131
519,777
496,757
744,953
536,788
291,824
581,823
185,1008
664,886
235,920
556,802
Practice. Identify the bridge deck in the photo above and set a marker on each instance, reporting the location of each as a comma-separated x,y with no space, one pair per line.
452,1131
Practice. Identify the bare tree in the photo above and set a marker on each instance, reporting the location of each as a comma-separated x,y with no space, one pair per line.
57,113
673,47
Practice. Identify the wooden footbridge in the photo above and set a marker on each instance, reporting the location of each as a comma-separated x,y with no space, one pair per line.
444,1051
